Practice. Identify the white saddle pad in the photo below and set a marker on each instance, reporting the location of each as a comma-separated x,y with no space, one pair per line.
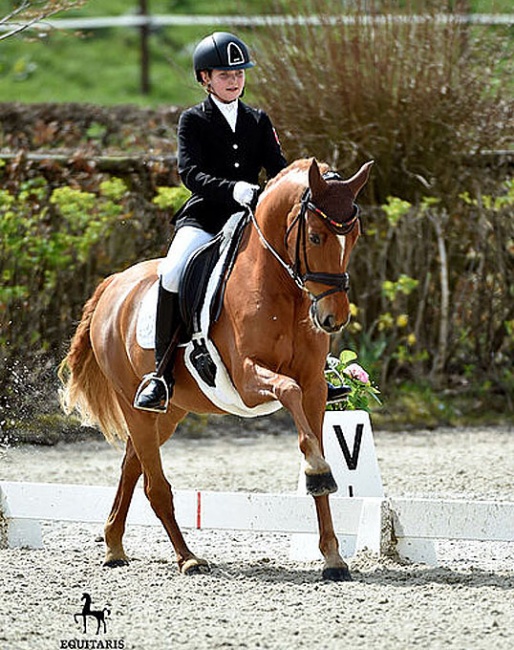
145,328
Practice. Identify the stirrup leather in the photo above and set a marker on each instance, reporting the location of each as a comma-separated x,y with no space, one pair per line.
152,376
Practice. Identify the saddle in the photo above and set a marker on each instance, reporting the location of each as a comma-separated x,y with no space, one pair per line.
198,285
201,292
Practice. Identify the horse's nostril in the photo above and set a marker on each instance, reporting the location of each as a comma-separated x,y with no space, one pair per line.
329,324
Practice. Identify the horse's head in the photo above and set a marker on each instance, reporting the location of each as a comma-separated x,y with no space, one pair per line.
320,239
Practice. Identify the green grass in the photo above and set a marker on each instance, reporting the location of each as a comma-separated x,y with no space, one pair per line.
102,66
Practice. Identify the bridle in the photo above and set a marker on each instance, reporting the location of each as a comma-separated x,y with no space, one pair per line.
338,282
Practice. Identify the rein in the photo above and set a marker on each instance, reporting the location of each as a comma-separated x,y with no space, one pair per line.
339,282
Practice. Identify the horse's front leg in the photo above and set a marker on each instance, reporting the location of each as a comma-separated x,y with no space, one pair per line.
83,620
335,567
261,381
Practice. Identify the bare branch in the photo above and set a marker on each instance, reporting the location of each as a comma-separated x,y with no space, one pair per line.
28,13
14,12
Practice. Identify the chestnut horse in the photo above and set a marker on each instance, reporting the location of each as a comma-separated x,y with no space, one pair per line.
287,292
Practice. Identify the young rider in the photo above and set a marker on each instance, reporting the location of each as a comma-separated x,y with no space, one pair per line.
223,144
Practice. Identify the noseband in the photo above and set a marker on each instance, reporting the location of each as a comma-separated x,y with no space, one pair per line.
338,282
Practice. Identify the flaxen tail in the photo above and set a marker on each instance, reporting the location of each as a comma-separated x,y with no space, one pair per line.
85,388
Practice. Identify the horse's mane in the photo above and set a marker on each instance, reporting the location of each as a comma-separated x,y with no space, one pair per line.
300,165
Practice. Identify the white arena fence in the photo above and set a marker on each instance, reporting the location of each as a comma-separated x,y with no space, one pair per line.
364,518
387,526
153,21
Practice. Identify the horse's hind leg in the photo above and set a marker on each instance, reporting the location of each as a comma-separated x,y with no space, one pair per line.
115,527
146,440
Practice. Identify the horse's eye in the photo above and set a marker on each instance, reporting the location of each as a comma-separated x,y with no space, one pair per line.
314,238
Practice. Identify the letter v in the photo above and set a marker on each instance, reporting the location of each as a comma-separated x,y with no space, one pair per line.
350,458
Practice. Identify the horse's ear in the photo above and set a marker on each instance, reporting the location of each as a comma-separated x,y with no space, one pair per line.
358,180
316,181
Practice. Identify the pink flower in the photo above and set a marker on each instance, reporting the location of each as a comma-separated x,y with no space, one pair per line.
357,372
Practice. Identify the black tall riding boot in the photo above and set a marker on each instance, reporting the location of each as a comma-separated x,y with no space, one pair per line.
156,389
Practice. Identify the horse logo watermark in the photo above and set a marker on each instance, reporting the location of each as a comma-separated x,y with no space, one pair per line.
100,640
96,614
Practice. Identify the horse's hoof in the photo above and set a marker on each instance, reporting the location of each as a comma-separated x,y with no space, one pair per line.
114,564
195,566
337,574
320,484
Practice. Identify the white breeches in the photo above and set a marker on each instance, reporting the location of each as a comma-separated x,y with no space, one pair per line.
186,241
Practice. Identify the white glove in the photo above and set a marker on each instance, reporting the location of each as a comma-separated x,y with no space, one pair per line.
244,192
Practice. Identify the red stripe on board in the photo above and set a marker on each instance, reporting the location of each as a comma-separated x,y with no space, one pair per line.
198,509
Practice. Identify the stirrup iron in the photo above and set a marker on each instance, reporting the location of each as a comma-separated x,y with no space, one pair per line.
152,376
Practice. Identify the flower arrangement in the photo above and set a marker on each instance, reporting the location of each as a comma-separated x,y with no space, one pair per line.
344,370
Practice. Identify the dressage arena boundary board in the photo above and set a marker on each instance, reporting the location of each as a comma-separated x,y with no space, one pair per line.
382,525
364,518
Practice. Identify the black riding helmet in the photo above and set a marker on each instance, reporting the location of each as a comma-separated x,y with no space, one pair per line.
221,51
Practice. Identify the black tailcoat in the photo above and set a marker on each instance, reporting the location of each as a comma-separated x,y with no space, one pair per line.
212,158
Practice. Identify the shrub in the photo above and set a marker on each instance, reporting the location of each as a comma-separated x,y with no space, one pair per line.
57,243
419,96
434,292
425,98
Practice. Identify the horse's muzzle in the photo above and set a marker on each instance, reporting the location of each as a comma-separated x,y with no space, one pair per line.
326,319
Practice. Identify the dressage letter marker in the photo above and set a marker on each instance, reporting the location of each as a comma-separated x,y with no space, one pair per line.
350,451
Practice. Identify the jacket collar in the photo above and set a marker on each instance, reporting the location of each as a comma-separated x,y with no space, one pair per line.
210,109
